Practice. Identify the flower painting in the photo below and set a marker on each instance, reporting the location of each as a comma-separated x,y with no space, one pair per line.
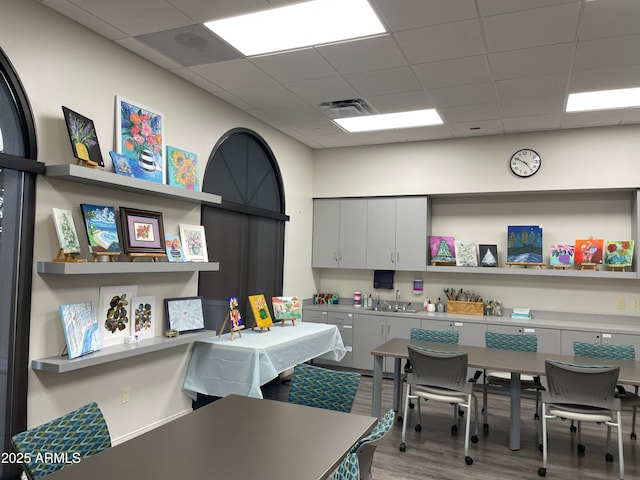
83,137
562,255
194,243
174,248
140,137
588,251
182,169
619,253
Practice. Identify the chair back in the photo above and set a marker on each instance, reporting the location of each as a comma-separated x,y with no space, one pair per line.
442,336
511,341
323,388
439,369
366,446
582,384
349,469
595,350
77,434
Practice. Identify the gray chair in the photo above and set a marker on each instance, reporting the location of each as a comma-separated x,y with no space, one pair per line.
366,446
323,388
441,377
581,393
509,341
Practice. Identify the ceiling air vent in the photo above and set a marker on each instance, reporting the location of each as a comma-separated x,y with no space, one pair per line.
355,107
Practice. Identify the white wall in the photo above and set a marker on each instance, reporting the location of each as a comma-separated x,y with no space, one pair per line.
590,158
62,63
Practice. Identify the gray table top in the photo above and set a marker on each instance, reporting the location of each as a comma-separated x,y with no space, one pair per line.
234,437
507,360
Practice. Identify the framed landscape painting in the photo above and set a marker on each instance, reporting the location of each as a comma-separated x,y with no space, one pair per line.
102,233
524,244
83,137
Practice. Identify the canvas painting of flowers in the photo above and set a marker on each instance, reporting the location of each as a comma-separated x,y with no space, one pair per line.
562,255
588,251
182,169
618,252
194,243
83,137
174,248
140,136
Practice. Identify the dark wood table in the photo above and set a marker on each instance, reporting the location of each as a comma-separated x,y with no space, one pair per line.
235,437
491,359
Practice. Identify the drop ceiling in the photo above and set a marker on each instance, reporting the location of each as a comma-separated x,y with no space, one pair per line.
488,66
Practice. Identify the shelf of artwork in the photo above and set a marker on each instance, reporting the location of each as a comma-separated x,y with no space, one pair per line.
92,176
61,364
93,268
543,272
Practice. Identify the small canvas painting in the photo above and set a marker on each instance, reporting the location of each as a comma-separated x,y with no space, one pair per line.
466,254
194,243
121,164
115,313
80,326
561,255
442,249
174,248
83,137
286,308
102,232
182,169
524,244
144,316
260,311
234,313
185,314
588,251
619,252
326,298
488,255
66,231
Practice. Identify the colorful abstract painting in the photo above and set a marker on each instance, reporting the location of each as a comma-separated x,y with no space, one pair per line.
182,169
561,255
618,252
80,326
144,316
326,298
524,244
588,251
442,248
466,254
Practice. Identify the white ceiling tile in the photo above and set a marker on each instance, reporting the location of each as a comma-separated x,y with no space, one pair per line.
496,7
470,113
532,87
295,66
449,73
268,96
408,14
363,55
484,127
196,79
592,119
605,79
400,102
633,116
442,42
384,82
378,137
147,53
323,90
234,74
531,123
532,61
289,115
323,127
233,100
337,140
435,132
477,94
533,106
204,11
532,28
613,18
85,18
608,53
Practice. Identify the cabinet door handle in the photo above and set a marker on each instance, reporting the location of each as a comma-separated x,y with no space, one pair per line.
382,328
397,256
391,257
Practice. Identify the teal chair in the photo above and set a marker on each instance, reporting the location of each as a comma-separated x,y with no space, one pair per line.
349,469
630,400
509,341
366,446
77,434
323,388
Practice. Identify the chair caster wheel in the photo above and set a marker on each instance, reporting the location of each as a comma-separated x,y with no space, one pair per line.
403,447
581,449
573,429
418,428
399,420
454,430
609,458
633,436
542,472
411,406
485,428
474,438
468,460
536,417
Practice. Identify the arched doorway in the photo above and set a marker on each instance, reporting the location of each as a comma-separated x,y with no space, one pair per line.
246,232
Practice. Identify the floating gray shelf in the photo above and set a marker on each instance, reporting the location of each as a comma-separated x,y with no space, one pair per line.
92,268
60,364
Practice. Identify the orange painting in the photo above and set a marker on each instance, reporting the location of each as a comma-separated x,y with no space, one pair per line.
588,251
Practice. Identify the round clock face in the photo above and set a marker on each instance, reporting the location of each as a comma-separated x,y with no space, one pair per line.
525,162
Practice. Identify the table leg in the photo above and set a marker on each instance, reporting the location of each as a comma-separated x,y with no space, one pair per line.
376,401
514,433
397,388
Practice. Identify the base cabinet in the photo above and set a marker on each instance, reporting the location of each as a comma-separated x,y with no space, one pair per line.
548,338
604,338
471,333
344,322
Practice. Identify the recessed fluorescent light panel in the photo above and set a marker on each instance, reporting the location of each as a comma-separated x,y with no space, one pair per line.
390,121
604,100
297,26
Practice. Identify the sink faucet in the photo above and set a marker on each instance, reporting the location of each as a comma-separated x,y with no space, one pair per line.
397,300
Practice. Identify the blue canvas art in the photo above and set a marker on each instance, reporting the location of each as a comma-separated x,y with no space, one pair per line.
524,244
80,325
102,232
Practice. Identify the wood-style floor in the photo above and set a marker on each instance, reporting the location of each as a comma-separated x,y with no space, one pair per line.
435,454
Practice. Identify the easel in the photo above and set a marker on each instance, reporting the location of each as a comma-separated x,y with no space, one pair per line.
443,262
262,329
588,266
153,256
618,268
86,163
525,264
68,257
97,256
293,321
561,267
233,329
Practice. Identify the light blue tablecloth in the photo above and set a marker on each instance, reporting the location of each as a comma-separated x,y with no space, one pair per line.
221,366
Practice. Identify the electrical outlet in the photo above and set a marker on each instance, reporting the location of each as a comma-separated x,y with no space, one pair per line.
347,289
620,304
636,303
124,397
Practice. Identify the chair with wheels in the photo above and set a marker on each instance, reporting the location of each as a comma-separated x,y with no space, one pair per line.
441,377
508,341
630,400
366,446
323,388
77,434
581,393
349,469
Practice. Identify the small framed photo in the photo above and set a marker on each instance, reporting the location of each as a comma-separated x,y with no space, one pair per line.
194,243
143,231
184,314
83,137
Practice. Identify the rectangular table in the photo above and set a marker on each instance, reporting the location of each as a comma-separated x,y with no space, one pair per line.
491,359
280,441
220,366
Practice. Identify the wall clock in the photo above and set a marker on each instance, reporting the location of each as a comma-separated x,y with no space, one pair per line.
525,162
